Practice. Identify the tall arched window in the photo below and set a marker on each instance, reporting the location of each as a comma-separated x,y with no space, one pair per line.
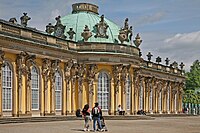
103,90
7,87
58,91
35,88
128,93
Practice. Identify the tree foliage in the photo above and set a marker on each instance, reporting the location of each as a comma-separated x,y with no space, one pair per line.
192,84
193,76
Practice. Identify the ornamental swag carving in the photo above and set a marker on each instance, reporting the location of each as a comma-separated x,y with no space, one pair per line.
68,66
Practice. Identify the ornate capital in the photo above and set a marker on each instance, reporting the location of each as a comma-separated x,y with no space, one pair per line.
117,69
74,71
46,67
67,69
2,57
24,62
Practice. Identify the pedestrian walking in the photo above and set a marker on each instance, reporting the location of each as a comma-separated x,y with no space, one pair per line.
96,114
86,115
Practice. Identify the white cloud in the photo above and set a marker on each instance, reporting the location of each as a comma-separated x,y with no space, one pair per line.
150,18
193,37
180,47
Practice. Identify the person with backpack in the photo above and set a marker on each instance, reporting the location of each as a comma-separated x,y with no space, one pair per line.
96,114
86,115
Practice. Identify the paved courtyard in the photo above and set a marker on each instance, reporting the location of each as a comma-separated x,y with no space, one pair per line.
159,125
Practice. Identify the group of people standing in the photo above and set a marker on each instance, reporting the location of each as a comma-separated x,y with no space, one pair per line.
95,115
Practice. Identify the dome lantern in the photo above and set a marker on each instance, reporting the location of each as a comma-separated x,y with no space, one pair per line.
87,7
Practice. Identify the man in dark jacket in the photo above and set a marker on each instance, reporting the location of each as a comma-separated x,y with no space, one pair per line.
96,114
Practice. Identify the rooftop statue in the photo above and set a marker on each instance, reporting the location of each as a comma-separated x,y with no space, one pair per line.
13,20
137,40
71,33
131,33
24,19
49,28
86,34
126,24
125,33
167,61
101,28
59,28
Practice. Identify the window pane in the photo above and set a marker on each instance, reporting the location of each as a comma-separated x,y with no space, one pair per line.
103,90
58,91
7,88
35,88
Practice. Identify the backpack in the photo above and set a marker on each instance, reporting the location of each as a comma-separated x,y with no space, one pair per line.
95,111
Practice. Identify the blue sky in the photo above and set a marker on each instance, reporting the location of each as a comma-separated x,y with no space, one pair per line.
168,28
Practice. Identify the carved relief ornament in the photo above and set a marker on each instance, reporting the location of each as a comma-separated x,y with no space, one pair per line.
24,62
67,68
92,70
81,73
117,69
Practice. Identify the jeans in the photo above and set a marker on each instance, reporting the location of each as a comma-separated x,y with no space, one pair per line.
87,118
98,121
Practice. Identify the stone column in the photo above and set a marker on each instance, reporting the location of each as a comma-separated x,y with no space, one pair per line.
92,70
154,95
124,79
132,105
160,98
74,72
172,98
180,93
15,91
151,97
24,61
53,70
147,91
81,73
2,54
141,94
46,67
144,92
29,63
67,68
116,73
169,97
137,91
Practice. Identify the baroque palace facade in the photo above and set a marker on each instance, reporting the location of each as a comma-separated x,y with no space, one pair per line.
83,58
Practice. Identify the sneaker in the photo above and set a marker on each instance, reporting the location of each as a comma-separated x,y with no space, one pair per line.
101,130
84,129
88,130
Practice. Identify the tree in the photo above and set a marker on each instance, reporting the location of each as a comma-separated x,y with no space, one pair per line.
193,77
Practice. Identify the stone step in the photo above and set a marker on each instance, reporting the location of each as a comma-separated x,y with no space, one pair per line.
7,120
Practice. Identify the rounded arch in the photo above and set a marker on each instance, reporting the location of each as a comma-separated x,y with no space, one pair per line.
103,92
35,85
7,86
58,89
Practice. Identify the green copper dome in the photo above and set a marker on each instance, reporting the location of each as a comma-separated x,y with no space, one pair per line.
79,18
